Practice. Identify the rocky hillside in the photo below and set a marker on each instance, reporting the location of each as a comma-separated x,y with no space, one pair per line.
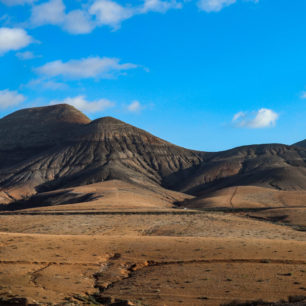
30,131
82,152
273,165
54,147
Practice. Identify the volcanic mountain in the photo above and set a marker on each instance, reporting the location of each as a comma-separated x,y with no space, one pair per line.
50,148
301,143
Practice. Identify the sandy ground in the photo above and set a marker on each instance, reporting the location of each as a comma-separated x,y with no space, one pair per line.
150,270
203,259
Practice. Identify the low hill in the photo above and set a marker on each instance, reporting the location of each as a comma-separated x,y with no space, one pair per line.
248,197
274,166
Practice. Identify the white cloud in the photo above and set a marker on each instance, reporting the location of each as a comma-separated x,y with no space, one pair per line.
239,115
214,5
261,119
27,55
83,25
303,95
13,39
10,98
134,107
110,13
107,12
160,6
91,67
16,2
53,12
99,13
39,84
82,104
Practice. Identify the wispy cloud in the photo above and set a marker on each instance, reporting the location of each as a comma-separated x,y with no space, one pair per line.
98,13
10,98
217,5
214,5
110,13
260,119
13,39
134,107
160,6
82,104
91,67
53,13
83,25
16,2
45,84
27,55
303,95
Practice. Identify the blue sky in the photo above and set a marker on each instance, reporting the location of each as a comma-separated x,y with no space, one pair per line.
205,74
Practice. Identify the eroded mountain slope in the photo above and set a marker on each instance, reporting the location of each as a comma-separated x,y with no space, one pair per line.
55,147
100,150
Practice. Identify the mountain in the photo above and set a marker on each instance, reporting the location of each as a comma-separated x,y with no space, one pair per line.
301,144
28,132
275,166
67,149
50,148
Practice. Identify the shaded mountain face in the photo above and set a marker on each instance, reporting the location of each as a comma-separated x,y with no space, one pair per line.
41,126
273,165
301,144
54,147
30,131
89,152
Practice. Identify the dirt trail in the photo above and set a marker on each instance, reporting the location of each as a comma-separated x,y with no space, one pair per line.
232,197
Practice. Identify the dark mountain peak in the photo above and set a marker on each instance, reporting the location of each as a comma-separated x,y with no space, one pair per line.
39,126
109,122
301,144
46,114
112,128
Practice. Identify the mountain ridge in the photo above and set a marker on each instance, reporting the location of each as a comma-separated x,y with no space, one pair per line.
301,143
73,151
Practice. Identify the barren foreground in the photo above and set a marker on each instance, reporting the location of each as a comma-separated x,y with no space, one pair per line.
164,259
122,243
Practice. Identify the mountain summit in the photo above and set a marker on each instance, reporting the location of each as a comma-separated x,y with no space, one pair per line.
39,126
